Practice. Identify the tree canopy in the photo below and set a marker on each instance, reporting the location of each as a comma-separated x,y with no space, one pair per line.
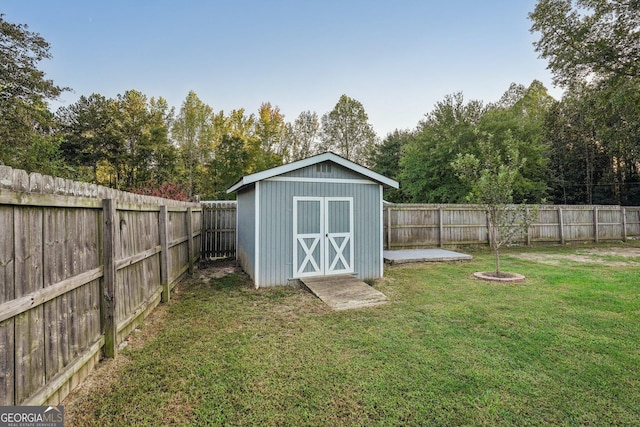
346,131
593,48
582,39
25,121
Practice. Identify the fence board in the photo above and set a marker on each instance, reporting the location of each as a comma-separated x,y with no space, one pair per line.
197,231
164,257
109,308
6,294
633,221
7,379
29,328
53,273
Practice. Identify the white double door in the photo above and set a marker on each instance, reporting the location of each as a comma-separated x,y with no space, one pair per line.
322,236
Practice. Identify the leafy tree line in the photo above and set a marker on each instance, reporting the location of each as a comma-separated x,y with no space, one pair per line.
422,159
581,149
141,144
136,143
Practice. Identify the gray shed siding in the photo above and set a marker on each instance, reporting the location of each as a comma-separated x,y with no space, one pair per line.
275,254
246,230
337,172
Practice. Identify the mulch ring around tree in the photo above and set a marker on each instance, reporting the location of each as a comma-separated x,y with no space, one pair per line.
492,276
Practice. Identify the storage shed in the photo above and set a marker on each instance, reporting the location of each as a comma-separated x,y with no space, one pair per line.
314,217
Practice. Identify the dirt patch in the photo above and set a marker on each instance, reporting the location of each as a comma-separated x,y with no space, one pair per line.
215,269
78,406
600,256
621,252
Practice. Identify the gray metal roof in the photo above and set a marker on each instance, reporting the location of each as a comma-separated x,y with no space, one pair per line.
310,161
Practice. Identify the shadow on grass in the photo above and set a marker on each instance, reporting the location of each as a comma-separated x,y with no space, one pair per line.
233,282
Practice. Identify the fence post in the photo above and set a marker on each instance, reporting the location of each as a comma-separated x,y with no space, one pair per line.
389,228
561,224
203,233
108,300
164,253
528,236
488,229
216,235
441,227
190,238
624,224
595,224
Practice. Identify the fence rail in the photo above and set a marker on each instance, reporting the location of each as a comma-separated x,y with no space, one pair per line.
408,225
80,267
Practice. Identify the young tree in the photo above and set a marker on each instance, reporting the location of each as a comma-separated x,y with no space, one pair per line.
346,131
491,174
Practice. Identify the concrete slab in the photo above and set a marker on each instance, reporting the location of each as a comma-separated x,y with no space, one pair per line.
422,255
344,292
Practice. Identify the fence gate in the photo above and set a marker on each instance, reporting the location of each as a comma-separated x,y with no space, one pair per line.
218,229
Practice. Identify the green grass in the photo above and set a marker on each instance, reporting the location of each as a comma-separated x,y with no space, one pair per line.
560,349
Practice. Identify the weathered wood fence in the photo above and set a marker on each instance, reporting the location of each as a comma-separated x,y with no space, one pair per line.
426,225
431,225
218,229
80,267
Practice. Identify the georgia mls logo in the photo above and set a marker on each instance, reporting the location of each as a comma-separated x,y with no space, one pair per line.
32,416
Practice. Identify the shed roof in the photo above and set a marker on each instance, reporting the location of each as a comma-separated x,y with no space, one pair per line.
310,161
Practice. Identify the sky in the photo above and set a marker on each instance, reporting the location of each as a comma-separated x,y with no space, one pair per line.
397,57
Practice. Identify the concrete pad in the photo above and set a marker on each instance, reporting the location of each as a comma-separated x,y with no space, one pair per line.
422,255
344,292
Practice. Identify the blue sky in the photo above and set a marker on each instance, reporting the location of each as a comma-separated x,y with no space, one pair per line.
397,57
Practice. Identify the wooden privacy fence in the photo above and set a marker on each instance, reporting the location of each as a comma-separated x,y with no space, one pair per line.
80,266
218,229
425,225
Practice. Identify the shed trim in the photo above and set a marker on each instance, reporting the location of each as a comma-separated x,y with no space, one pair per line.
257,238
327,180
329,156
381,213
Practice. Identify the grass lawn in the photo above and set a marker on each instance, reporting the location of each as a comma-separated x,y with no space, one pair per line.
562,348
